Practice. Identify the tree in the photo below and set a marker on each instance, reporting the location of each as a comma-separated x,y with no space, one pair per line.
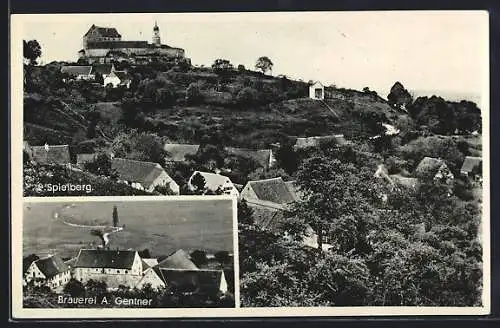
241,68
199,258
198,182
399,97
101,166
221,65
31,51
247,96
75,288
193,94
116,221
264,64
222,257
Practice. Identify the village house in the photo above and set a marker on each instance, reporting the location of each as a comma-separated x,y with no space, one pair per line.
82,159
177,152
53,154
472,168
273,190
434,168
264,157
114,267
50,271
118,79
306,142
188,282
317,91
143,175
103,69
78,72
214,182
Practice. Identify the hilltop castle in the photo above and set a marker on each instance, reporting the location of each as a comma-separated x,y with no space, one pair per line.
104,44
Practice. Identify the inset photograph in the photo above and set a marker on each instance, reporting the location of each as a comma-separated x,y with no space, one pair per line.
159,253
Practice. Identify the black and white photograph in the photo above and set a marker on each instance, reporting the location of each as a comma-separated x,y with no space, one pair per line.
133,253
355,146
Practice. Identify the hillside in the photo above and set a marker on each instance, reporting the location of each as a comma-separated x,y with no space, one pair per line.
159,102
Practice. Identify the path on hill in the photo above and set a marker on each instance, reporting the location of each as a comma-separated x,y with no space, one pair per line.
58,216
329,108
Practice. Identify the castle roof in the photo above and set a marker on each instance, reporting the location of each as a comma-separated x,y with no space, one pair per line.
272,190
137,171
177,152
108,32
54,154
51,266
100,258
178,260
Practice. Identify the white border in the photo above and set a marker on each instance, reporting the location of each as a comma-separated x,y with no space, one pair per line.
17,208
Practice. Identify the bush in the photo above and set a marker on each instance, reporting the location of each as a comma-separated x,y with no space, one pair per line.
193,94
247,96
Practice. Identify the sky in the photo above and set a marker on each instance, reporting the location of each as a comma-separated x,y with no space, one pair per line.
427,51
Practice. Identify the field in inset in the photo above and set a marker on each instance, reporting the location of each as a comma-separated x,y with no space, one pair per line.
160,226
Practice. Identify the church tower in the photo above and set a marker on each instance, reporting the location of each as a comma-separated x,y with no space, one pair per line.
156,35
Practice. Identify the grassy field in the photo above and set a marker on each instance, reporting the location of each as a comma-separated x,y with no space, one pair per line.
160,226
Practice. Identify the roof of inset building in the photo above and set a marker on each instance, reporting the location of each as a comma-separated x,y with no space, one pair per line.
51,266
195,281
178,260
100,258
262,157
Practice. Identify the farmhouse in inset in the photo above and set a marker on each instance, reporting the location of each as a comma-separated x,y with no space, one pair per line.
200,282
115,267
143,175
50,271
117,79
270,192
472,168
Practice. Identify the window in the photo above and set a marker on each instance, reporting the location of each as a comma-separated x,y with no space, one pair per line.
318,93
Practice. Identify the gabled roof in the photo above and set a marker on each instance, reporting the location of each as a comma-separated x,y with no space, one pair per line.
470,163
191,281
177,152
429,164
262,157
56,154
122,75
404,181
150,262
213,180
85,158
272,190
178,260
76,70
51,266
137,171
100,258
108,32
304,142
316,83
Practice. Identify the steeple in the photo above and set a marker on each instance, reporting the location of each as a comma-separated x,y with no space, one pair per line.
156,35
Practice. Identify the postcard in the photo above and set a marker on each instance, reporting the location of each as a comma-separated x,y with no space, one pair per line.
264,164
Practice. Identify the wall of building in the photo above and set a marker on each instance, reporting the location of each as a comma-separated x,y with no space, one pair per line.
163,180
170,52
